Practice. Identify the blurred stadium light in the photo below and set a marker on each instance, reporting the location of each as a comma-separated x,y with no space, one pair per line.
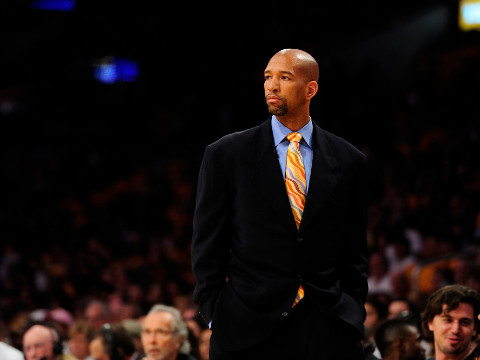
469,15
53,5
109,70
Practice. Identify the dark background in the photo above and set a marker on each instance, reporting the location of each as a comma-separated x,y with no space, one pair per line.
98,180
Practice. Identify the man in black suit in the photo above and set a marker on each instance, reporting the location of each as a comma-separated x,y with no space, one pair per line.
251,257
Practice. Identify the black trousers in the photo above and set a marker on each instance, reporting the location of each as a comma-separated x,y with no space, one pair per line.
308,334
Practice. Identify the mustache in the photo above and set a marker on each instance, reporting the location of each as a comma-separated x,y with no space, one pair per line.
275,96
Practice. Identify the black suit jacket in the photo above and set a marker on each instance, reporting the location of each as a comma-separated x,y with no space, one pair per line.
244,230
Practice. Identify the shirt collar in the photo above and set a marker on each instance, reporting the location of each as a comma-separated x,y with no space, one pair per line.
280,131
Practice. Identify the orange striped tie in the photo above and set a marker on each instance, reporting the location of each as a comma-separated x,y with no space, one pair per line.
296,184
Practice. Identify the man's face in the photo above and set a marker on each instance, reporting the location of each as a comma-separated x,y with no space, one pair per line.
413,347
38,343
158,340
284,85
453,331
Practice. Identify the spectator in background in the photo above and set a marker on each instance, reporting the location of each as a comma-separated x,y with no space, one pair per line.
450,317
376,313
111,343
165,335
379,280
402,307
398,251
42,340
398,339
97,314
79,335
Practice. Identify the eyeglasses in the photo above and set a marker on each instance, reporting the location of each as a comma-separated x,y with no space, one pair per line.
157,332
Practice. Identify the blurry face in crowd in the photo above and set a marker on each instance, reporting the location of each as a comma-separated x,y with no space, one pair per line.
38,343
97,350
158,339
94,314
453,331
372,318
397,307
78,345
413,350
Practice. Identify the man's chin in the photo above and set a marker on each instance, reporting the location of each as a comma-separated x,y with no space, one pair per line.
277,111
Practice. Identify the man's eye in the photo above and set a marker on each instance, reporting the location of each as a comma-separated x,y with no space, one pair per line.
285,78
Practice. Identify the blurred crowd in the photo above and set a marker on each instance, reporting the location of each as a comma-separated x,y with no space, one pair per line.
99,234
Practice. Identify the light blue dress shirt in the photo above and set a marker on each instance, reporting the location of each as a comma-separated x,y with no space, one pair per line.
281,142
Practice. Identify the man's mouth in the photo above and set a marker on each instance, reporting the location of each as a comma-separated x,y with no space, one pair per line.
454,340
271,99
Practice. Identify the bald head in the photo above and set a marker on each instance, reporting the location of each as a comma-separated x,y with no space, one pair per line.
38,342
290,83
304,63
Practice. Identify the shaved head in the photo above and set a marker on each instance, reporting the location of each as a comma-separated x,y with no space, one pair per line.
304,63
290,83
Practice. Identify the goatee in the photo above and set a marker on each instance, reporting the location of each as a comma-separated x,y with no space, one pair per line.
278,110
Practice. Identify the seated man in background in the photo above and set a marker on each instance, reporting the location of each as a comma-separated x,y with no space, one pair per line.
41,340
450,316
398,339
165,335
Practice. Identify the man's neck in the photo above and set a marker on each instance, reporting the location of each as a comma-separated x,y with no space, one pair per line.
294,122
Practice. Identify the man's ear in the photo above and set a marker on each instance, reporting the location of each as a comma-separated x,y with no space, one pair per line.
311,89
179,342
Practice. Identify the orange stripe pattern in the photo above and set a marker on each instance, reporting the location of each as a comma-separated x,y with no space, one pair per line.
295,180
296,184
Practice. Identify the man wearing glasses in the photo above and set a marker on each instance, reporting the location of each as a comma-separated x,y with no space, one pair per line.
165,335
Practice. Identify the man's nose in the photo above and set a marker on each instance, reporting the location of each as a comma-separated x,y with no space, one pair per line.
455,327
273,85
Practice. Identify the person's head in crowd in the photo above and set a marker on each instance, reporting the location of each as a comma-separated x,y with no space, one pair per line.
204,344
41,340
164,333
376,313
111,343
400,284
398,339
134,329
396,307
97,313
79,334
403,308
378,265
450,316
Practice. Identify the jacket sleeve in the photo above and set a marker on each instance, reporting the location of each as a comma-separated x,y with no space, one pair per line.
211,232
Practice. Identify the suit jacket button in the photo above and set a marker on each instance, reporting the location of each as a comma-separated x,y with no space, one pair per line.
285,314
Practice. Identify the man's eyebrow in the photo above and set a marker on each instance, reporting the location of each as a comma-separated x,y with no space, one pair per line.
461,319
281,71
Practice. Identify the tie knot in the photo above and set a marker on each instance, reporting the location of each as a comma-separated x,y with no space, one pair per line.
294,136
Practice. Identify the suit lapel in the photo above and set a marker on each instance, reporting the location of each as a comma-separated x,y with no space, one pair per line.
323,176
267,174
